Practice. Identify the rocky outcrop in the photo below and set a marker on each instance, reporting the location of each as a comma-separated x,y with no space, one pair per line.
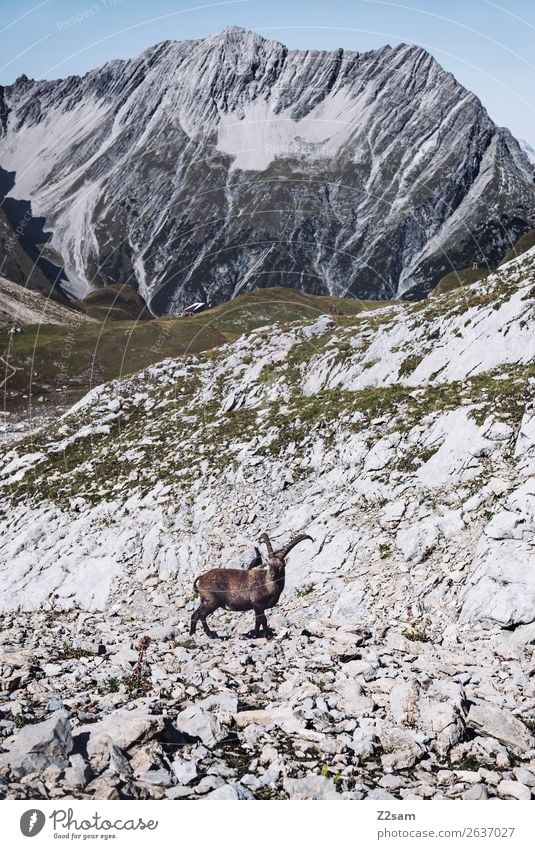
501,585
402,441
20,306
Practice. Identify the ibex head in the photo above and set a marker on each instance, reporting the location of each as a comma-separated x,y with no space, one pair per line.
277,559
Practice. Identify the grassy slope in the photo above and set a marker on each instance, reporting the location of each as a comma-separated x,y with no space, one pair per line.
466,276
209,434
115,303
526,242
62,363
459,279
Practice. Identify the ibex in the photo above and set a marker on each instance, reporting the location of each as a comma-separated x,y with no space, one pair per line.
238,589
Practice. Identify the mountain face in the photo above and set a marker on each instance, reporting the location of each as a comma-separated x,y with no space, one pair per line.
20,306
205,168
403,442
528,150
25,253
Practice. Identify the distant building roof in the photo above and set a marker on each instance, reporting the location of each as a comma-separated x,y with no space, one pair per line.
197,307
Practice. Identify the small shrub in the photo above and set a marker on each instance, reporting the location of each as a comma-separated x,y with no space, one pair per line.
165,694
327,772
305,590
410,364
134,684
417,630
428,552
69,652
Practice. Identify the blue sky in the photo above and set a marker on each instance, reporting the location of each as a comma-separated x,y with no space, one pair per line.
487,45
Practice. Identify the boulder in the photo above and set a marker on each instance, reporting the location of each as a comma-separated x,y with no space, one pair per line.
525,776
353,702
201,724
513,790
526,436
184,771
401,750
76,775
364,741
282,716
104,740
476,792
37,746
492,721
230,792
311,787
403,702
501,582
442,714
157,777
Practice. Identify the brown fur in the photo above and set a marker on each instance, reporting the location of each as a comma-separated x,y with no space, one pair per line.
237,589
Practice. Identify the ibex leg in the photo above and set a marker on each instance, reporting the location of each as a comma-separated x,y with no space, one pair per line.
261,623
201,613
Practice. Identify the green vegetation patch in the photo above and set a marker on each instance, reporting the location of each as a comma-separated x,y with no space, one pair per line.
61,363
177,438
525,242
460,279
410,364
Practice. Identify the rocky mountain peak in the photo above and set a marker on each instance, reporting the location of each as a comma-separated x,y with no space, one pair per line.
371,174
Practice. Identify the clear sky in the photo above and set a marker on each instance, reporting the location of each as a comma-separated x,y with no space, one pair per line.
487,45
